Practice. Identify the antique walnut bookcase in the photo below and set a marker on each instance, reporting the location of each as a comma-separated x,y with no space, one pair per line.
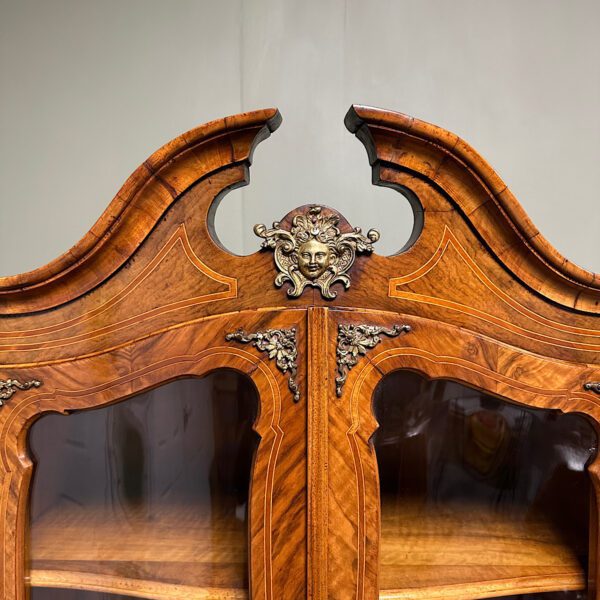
314,420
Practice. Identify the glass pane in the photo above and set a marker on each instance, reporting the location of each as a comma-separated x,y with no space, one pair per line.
479,493
146,495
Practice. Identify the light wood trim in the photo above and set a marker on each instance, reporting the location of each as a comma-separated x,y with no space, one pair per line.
476,591
318,440
138,588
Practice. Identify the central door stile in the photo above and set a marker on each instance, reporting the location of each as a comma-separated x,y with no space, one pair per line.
318,393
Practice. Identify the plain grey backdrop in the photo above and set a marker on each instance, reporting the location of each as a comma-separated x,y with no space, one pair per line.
90,88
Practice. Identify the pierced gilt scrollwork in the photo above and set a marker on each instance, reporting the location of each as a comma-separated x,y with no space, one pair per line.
9,386
314,252
354,341
592,386
279,344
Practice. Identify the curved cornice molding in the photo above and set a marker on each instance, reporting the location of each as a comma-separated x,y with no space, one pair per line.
137,208
400,142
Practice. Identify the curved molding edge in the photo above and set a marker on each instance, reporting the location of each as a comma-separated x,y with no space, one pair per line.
137,208
437,155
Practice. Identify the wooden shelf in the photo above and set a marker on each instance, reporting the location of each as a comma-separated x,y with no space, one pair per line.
470,553
179,553
451,553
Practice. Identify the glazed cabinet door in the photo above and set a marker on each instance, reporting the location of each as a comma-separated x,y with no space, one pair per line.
453,470
174,467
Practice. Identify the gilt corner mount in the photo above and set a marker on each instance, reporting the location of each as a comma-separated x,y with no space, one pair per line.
355,341
592,386
279,344
9,386
314,251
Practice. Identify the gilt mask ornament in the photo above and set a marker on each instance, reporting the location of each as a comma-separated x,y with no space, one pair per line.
314,252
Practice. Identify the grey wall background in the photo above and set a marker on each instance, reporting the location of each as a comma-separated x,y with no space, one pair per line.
90,88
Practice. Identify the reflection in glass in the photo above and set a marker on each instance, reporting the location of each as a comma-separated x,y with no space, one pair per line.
479,491
147,494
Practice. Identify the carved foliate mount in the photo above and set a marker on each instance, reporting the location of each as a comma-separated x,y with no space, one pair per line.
314,252
592,386
9,386
279,344
354,341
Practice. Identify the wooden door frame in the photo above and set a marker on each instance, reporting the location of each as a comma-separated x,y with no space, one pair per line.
278,475
437,351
